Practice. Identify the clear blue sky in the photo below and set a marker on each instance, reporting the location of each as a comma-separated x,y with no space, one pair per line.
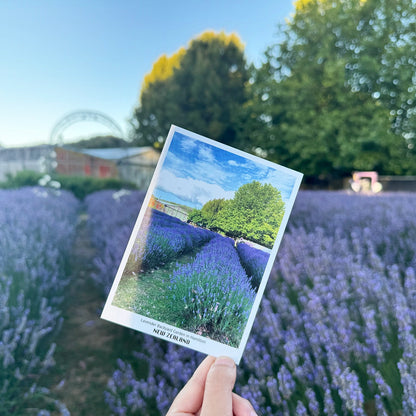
60,56
195,172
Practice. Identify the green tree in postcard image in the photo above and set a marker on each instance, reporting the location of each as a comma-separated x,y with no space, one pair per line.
255,213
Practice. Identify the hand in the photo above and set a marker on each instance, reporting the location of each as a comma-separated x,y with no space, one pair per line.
209,392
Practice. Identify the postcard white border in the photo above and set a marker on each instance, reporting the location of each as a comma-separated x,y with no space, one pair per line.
171,333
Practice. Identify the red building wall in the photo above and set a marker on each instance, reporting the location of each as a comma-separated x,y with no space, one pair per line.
74,163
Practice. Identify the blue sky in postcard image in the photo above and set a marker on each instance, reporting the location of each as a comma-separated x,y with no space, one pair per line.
195,172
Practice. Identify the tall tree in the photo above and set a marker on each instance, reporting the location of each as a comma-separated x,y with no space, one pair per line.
200,88
210,211
335,94
255,213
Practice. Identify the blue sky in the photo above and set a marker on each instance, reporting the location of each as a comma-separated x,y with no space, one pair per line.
62,56
195,172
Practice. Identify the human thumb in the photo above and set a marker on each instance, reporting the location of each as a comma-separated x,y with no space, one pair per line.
218,388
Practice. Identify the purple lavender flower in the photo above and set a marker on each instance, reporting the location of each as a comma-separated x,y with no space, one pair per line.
286,383
38,228
254,262
340,297
216,293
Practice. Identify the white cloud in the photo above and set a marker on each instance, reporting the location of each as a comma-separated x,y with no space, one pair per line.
233,163
211,172
206,154
205,166
192,190
188,145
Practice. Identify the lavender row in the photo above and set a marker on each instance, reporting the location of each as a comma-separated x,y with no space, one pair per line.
254,262
37,228
335,333
161,239
384,221
212,295
111,217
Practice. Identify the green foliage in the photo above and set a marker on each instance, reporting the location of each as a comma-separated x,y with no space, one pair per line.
20,179
211,209
195,217
80,186
335,95
203,93
100,142
206,216
255,213
223,320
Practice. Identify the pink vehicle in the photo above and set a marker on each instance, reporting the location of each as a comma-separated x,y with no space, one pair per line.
366,182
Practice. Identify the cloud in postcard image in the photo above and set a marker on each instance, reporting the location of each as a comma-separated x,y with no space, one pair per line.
195,172
193,191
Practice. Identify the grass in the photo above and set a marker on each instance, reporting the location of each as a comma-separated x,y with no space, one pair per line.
143,293
147,293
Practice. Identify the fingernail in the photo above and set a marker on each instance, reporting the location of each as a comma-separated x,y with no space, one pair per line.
253,413
225,361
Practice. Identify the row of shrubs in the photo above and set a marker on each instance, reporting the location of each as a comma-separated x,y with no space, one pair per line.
335,333
80,186
37,231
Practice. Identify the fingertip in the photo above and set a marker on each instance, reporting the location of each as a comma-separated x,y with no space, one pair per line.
224,370
218,388
242,407
224,361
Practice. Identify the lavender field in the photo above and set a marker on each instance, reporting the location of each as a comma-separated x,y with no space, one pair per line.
335,333
188,277
37,229
111,217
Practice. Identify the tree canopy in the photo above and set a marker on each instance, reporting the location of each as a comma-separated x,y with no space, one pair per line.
200,88
207,216
336,94
255,213
100,142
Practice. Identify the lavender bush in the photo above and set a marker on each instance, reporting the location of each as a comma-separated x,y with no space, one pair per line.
161,239
254,261
335,333
211,296
384,221
208,294
37,230
111,217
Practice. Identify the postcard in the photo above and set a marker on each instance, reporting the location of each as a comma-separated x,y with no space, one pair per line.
203,246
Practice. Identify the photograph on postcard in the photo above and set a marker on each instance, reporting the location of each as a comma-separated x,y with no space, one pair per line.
206,232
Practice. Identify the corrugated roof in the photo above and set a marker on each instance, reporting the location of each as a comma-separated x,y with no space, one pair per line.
116,153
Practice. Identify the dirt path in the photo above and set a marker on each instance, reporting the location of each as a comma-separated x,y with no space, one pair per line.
86,346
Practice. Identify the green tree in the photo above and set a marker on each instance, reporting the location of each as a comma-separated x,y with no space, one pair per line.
100,142
207,215
196,217
323,103
255,213
201,88
210,211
